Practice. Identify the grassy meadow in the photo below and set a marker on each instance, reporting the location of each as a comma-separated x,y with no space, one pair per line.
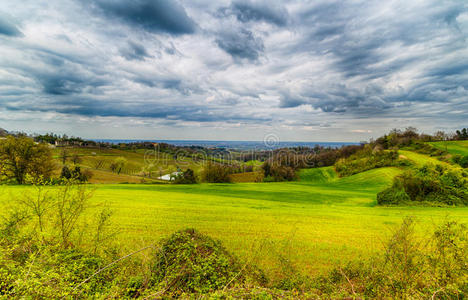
314,223
453,147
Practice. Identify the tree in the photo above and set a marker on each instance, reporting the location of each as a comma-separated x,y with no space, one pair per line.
462,134
76,173
187,177
65,173
216,173
64,155
118,164
21,156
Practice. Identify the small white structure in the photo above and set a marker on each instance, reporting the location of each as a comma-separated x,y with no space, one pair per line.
170,177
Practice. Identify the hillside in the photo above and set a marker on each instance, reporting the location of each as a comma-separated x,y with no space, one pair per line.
323,221
299,228
141,165
453,147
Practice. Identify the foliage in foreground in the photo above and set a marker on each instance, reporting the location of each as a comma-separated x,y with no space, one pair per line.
429,183
190,262
410,267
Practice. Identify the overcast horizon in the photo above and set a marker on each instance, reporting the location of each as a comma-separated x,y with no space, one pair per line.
319,71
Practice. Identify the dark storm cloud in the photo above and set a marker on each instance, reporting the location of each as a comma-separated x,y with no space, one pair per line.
60,74
241,44
67,84
92,107
8,28
266,11
134,51
154,16
175,84
355,43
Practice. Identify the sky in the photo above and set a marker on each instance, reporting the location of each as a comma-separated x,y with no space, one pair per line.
233,70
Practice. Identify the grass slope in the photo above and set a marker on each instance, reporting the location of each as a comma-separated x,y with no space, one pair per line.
317,175
314,223
453,147
137,161
420,159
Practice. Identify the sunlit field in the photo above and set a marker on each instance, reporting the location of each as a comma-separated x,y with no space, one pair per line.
453,147
315,222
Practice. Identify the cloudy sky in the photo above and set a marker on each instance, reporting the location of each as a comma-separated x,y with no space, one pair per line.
319,70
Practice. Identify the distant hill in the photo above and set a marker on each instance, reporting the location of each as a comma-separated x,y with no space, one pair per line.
3,132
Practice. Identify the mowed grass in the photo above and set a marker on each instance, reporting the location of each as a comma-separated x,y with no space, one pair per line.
318,175
453,147
314,223
421,159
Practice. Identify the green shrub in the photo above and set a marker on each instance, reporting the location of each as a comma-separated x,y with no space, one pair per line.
464,162
274,171
75,173
187,177
393,196
366,159
190,262
217,173
429,183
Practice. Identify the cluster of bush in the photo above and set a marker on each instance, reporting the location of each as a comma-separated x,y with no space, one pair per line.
219,172
75,173
366,159
186,177
427,184
425,148
306,157
215,172
276,171
461,160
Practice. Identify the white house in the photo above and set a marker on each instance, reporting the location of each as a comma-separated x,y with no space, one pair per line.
169,177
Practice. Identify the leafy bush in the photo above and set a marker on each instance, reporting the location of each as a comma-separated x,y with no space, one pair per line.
464,161
187,177
40,245
429,183
75,173
118,164
216,173
50,272
192,262
366,159
274,171
393,196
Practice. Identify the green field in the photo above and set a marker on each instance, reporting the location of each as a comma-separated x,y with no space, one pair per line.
453,147
420,159
315,222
